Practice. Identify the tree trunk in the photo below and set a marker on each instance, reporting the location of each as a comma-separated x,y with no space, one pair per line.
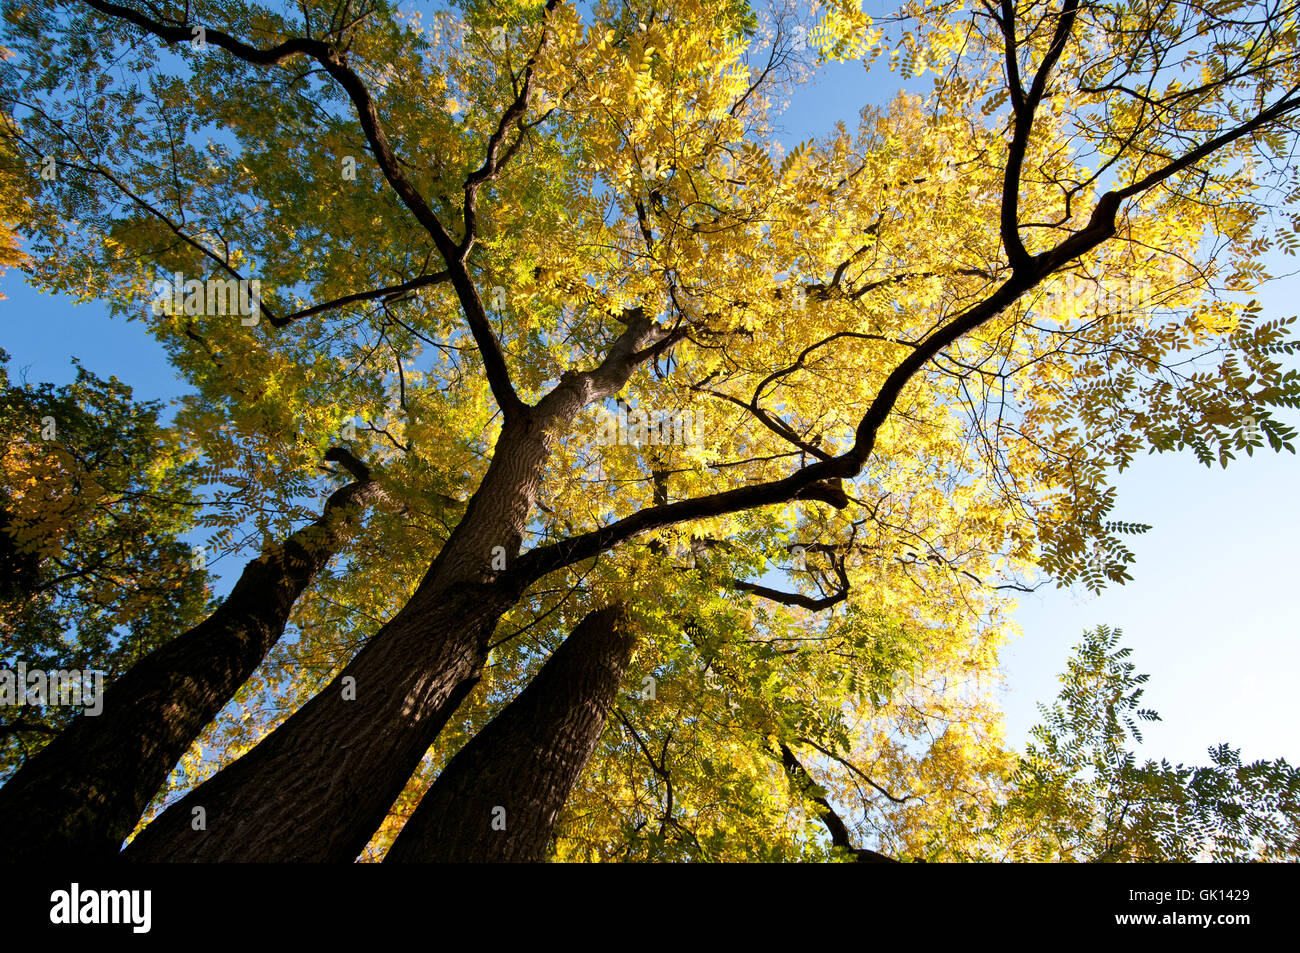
318,787
499,797
82,794
368,729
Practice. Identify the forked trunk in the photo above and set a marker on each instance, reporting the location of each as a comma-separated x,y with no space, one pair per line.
319,786
368,729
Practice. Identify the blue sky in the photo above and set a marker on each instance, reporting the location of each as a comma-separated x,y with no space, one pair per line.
1210,612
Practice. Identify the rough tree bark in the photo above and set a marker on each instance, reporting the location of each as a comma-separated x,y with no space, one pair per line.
499,797
318,787
84,792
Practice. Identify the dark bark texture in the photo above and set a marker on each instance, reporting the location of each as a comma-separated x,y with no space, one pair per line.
83,793
499,797
362,749
318,787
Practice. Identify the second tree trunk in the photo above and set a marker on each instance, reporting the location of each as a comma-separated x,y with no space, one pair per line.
499,797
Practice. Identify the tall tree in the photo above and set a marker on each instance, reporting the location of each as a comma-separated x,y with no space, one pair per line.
1080,793
871,351
15,187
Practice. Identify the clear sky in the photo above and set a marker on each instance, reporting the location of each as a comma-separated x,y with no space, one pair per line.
1210,613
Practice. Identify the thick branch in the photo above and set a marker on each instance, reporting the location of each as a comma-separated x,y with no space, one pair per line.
1025,105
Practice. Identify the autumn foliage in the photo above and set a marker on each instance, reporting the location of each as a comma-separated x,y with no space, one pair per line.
915,350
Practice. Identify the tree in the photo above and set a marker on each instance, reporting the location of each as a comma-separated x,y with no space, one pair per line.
15,190
499,797
1078,793
889,383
